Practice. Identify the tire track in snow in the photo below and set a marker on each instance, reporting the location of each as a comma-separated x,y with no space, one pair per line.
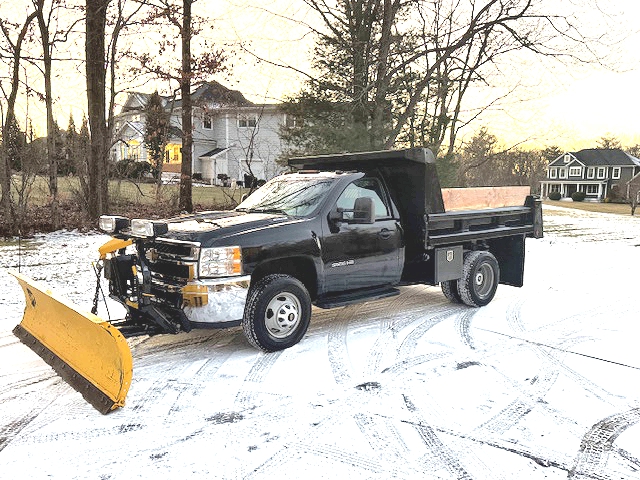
384,438
438,451
337,351
387,341
380,433
514,319
528,398
28,419
9,431
24,382
598,442
246,396
410,342
463,326
171,369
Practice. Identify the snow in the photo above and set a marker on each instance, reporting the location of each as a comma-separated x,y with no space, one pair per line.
542,383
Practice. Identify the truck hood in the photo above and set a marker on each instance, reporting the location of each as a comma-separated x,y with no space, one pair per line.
207,227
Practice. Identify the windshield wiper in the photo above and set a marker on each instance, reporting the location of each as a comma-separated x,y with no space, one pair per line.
267,210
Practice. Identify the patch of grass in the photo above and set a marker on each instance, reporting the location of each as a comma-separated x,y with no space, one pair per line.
131,192
614,208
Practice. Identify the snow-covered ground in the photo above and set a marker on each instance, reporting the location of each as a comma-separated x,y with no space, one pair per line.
542,383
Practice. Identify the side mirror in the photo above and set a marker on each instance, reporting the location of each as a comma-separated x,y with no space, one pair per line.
364,210
336,216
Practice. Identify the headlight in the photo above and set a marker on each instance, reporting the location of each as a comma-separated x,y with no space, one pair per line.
113,224
220,262
148,228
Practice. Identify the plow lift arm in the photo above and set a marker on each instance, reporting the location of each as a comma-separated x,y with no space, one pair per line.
89,353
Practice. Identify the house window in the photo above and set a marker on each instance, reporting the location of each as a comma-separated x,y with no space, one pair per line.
207,124
593,189
615,173
591,172
290,121
247,121
563,173
553,173
602,172
575,171
567,158
554,188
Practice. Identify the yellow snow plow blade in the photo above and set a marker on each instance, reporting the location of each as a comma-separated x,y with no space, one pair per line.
89,353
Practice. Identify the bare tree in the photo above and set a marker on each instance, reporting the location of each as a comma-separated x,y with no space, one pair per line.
609,141
14,56
396,71
190,71
47,17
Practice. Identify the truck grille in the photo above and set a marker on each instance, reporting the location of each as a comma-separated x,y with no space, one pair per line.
172,263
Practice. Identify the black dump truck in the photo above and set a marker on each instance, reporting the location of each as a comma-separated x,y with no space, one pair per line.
337,229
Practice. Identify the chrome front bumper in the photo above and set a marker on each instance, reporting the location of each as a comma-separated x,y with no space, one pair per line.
225,300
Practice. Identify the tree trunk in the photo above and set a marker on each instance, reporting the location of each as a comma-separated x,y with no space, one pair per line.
96,11
51,128
186,198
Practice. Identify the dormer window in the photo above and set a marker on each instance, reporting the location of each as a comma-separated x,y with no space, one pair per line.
567,158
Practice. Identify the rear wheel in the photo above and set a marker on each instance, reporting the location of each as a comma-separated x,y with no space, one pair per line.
277,313
450,291
480,278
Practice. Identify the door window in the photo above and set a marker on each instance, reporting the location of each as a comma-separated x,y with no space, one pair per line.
364,187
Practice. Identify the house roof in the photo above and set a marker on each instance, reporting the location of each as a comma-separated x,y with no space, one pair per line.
594,157
216,94
214,152
205,94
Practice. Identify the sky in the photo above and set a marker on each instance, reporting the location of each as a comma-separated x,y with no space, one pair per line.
571,106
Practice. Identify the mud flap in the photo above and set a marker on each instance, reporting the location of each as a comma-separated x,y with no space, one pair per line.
87,352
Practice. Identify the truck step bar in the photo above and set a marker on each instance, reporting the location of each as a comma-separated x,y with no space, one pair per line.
357,297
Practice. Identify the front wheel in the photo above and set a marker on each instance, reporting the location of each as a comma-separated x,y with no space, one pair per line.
480,278
277,313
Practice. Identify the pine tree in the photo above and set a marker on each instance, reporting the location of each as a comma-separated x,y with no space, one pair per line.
156,133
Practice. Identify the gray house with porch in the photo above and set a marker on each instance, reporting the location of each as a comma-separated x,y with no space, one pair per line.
594,171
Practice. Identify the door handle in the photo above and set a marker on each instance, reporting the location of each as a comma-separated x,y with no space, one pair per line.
385,233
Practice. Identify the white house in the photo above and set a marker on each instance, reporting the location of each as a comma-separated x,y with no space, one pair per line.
232,137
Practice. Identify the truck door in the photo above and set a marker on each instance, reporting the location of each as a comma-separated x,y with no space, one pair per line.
359,255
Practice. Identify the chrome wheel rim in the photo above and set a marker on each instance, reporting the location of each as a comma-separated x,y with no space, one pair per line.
282,315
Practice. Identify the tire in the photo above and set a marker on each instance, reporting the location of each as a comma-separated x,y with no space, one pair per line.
450,291
480,278
277,313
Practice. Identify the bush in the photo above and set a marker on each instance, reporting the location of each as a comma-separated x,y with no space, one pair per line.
615,195
131,169
555,196
578,196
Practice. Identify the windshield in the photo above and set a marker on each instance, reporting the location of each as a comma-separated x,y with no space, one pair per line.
288,195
